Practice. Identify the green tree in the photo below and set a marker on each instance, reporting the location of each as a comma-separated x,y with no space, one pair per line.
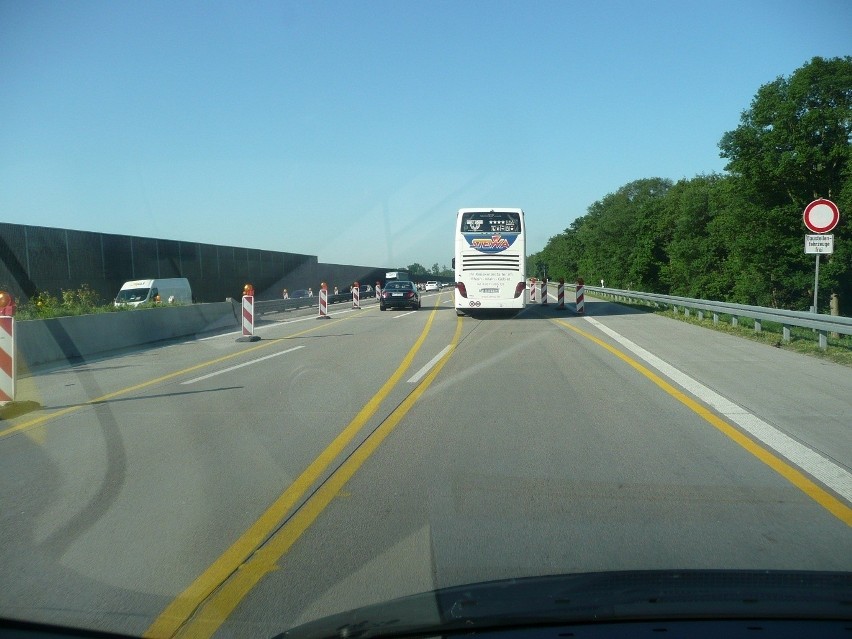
792,146
415,270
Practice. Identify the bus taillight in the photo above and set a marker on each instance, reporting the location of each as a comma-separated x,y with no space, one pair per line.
461,289
520,288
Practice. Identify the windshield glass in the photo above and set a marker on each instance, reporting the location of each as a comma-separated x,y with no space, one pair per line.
491,222
443,293
132,295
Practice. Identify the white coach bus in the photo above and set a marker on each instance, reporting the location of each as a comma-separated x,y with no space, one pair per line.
490,259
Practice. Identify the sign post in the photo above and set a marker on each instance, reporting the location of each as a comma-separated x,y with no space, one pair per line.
820,216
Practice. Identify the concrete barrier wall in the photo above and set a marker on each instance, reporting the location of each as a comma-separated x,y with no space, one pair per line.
66,338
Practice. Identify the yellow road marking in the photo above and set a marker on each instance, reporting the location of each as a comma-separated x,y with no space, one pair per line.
179,611
226,598
157,380
796,477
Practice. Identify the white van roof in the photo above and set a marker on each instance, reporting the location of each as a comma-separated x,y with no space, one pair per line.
137,284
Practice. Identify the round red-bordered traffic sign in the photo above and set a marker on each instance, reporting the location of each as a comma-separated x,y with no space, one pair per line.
821,216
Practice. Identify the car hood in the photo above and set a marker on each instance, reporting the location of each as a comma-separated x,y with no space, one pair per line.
596,597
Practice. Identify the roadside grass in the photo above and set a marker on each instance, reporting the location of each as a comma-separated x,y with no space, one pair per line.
81,301
802,340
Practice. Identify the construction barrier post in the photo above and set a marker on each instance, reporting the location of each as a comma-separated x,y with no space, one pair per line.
323,302
560,295
378,290
581,294
356,295
7,360
544,301
532,289
248,320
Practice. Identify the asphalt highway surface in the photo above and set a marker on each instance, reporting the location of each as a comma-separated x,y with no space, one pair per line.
209,487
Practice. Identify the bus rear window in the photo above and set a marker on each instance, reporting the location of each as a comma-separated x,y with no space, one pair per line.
491,222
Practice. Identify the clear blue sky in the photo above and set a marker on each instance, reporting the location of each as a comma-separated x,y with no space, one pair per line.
354,130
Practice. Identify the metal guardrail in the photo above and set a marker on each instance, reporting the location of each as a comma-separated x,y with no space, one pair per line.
821,323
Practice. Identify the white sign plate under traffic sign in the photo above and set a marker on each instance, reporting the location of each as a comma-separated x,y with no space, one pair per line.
822,244
821,216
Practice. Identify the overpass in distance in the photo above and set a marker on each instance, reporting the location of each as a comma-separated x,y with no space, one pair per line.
207,487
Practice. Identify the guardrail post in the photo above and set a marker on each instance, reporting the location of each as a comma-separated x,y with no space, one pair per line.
715,318
785,333
686,311
700,315
823,340
757,326
735,321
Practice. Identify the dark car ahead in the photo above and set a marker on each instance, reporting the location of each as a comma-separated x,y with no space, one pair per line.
399,294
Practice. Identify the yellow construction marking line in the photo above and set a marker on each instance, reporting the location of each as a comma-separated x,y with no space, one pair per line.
224,601
801,481
179,611
38,421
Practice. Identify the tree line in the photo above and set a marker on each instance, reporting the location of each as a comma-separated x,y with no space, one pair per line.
736,236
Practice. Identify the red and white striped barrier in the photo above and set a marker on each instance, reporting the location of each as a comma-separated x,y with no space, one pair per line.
581,295
378,290
544,301
532,291
560,295
248,320
7,359
323,302
356,295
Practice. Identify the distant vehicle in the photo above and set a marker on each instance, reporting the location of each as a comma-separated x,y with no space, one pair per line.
299,294
170,290
362,289
400,276
432,286
399,294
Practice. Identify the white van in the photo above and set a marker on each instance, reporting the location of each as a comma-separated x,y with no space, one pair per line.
174,290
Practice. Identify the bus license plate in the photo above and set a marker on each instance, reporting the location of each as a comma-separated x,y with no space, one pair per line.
489,290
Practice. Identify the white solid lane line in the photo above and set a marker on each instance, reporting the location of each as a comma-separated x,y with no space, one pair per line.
821,468
423,371
231,368
404,314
